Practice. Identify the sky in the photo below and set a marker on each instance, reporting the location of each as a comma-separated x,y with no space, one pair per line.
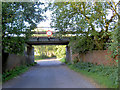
47,22
48,14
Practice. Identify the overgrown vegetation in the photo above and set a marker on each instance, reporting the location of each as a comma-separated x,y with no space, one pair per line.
42,52
92,24
63,60
87,21
7,75
104,75
18,19
113,45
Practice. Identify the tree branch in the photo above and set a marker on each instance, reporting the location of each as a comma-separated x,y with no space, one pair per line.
113,9
107,23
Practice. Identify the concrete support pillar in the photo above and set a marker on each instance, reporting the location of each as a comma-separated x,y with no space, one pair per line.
30,53
68,54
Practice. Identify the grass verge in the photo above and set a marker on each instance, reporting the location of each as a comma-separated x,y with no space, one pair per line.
101,80
15,72
63,60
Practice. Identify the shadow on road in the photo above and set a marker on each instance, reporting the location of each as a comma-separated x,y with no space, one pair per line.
49,73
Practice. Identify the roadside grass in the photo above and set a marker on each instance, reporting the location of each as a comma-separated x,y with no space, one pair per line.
63,60
15,72
102,80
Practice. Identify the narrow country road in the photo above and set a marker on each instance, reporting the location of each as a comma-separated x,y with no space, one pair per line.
49,74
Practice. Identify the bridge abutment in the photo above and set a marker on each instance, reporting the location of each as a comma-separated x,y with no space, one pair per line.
68,54
30,54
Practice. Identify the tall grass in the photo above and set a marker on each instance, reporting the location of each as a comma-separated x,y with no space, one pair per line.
104,75
7,75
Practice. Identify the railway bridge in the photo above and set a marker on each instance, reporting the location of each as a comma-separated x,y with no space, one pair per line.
38,40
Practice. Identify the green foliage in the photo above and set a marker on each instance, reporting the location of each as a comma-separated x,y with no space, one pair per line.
113,45
35,63
18,19
83,19
50,51
41,57
82,44
63,60
44,50
7,75
111,72
13,73
14,45
89,22
102,81
31,64
60,51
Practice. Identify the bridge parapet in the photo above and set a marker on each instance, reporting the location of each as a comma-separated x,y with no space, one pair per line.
49,41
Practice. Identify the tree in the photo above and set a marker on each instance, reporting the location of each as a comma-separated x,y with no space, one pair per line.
114,44
53,50
60,51
86,19
18,19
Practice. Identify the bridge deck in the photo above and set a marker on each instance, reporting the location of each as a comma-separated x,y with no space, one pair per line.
48,41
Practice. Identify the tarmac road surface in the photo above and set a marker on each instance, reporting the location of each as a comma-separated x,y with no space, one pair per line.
49,74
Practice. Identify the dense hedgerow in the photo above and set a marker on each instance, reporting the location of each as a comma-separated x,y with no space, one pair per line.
110,71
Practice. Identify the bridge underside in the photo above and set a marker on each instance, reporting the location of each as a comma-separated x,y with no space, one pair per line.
48,41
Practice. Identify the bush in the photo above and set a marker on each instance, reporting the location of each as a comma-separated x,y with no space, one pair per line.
14,72
109,71
63,60
7,75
